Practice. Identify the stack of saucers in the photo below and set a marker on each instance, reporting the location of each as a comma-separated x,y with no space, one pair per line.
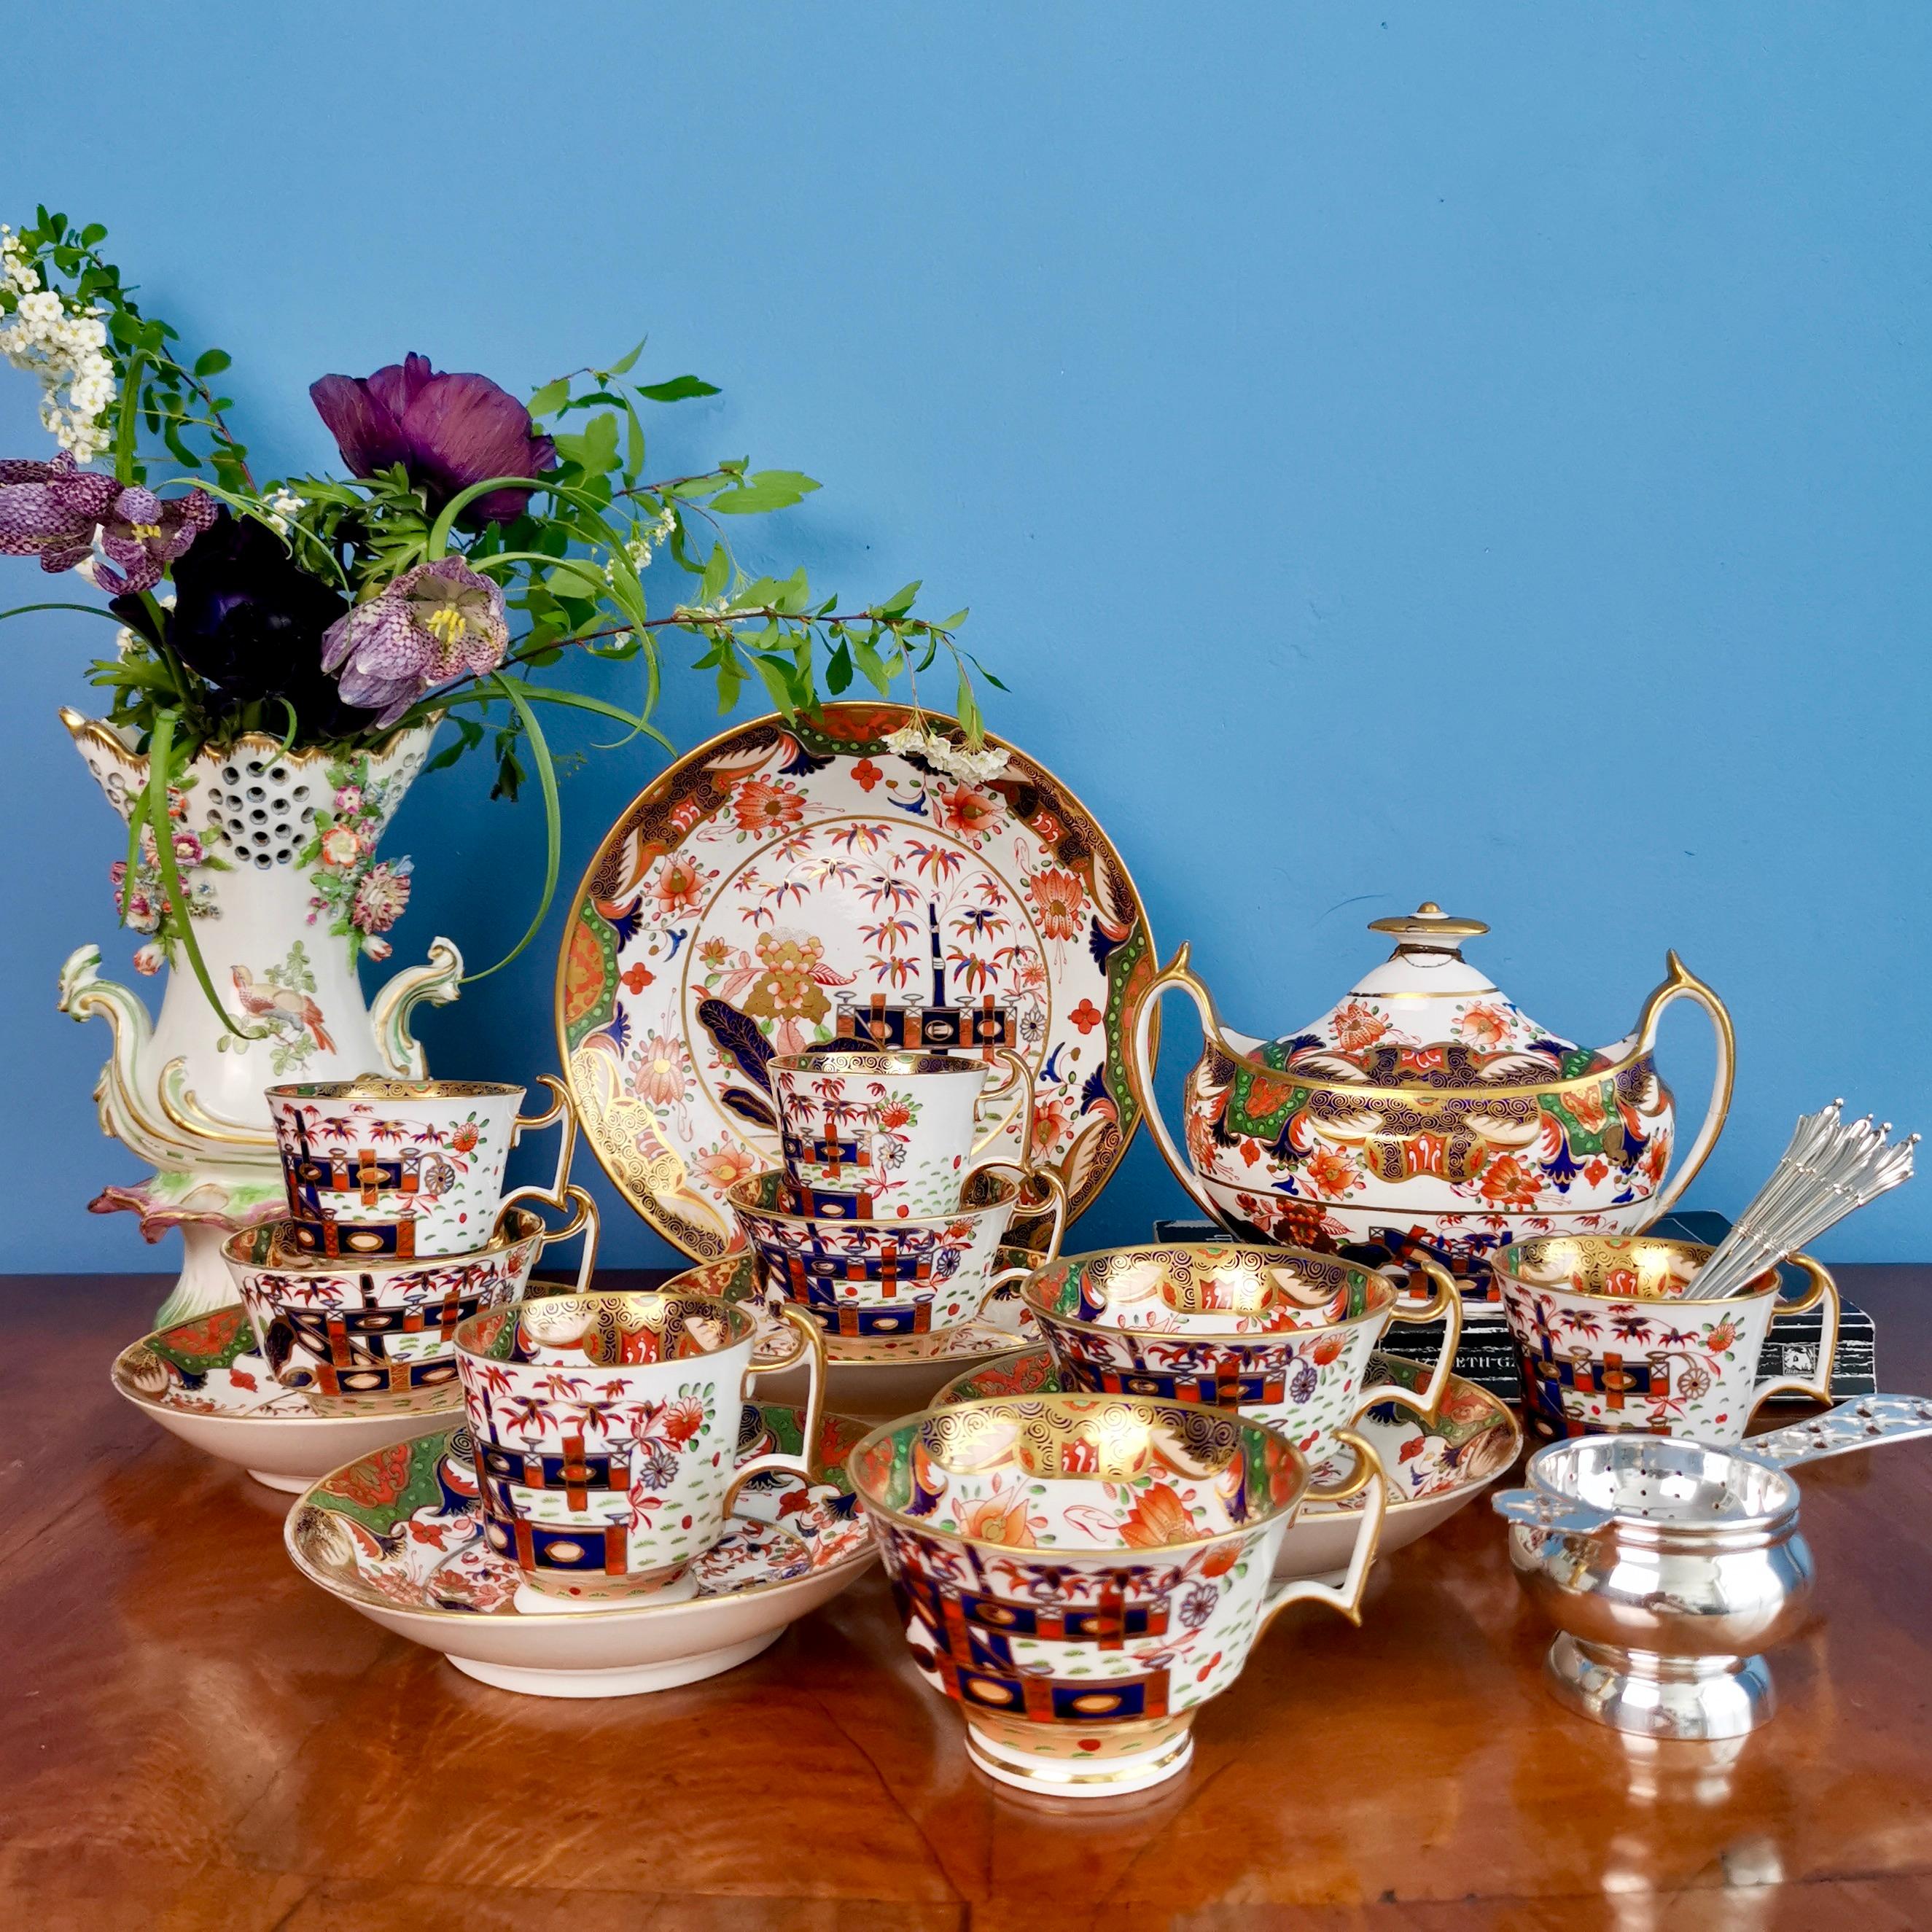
878,1224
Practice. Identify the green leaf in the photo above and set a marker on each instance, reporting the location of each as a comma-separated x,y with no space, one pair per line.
625,365
573,577
212,362
470,736
872,664
677,390
776,673
764,490
717,574
576,701
838,671
550,397
154,802
970,722
93,232
900,600
595,448
92,609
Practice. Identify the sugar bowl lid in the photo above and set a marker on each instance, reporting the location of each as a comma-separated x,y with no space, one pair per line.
1425,1016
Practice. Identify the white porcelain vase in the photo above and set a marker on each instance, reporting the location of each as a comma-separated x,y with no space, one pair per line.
277,856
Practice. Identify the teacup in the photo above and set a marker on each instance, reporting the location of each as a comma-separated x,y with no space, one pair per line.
881,1279
1607,1341
888,1136
1080,1573
378,1167
1285,1335
607,1433
373,1335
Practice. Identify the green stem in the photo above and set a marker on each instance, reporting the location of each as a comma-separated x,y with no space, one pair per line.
165,651
552,817
92,609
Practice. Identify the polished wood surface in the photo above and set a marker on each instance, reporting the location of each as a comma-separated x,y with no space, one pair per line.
197,1738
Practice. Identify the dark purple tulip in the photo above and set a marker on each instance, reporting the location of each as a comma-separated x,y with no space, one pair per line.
447,431
54,511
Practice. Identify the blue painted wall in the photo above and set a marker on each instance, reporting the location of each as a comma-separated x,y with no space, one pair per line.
1391,450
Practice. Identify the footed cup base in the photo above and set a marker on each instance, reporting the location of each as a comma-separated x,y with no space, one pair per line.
1690,1699
1064,1761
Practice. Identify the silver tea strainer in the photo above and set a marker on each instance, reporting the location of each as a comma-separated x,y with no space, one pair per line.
1669,1567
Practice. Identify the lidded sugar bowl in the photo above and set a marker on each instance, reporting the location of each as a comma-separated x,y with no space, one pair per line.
1426,1109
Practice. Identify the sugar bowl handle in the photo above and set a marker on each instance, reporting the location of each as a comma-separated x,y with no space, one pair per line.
1823,1293
1142,1054
1445,1305
805,1463
1681,983
1344,1598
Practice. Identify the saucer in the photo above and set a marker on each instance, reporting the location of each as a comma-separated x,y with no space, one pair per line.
876,1380
1432,1469
206,1380
398,1537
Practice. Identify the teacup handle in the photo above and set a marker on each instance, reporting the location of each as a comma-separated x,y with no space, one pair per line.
1143,1055
1825,1290
559,1108
1444,1305
805,1463
1021,1076
1054,1186
1681,983
584,1219
1344,1598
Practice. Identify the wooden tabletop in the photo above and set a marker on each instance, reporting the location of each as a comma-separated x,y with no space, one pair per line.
195,1737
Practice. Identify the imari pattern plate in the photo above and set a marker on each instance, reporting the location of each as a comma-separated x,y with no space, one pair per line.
397,1535
1433,1468
790,883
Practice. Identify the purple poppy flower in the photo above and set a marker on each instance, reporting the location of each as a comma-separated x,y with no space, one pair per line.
250,621
56,511
435,623
447,431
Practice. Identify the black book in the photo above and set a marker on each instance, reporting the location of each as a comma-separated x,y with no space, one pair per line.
1487,1355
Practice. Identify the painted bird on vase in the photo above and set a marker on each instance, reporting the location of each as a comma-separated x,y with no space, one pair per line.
297,1006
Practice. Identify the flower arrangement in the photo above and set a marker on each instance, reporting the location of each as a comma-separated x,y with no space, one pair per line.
474,540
